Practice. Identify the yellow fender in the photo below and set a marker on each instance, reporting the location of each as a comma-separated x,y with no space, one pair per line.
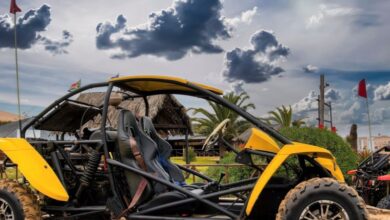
34,167
322,156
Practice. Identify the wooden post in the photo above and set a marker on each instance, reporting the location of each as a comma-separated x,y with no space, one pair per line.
186,148
321,106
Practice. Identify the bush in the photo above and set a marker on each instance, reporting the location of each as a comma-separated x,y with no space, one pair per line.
4,122
235,173
191,155
346,157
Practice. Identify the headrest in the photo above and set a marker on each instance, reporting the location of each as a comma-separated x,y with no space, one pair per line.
115,99
147,126
127,122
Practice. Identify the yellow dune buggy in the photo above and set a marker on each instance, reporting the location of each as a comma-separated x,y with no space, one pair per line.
125,172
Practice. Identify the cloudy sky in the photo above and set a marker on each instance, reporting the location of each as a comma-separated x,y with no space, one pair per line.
274,50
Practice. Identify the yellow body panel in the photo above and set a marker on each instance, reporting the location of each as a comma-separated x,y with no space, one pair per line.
322,156
259,140
150,83
33,167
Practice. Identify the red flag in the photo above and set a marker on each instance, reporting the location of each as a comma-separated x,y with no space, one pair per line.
362,91
14,7
74,86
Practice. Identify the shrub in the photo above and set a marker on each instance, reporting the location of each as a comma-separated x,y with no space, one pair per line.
235,173
4,122
191,155
364,154
346,157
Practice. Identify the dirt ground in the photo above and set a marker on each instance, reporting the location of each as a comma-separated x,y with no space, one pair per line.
378,214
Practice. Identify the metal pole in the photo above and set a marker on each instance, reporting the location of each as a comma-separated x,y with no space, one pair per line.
17,77
369,127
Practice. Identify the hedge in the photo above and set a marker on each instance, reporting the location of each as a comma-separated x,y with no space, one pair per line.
346,157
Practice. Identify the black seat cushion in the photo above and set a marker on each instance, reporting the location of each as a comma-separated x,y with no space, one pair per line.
172,196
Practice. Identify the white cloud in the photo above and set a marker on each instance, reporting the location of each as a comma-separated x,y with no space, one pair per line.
382,92
310,102
246,17
326,11
381,114
306,104
332,95
356,113
237,86
310,68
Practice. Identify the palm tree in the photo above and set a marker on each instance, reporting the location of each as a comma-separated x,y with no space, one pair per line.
205,125
283,117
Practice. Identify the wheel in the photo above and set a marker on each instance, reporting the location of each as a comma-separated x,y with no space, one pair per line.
17,202
322,198
384,203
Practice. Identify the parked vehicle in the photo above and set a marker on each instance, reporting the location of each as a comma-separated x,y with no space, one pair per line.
372,180
125,172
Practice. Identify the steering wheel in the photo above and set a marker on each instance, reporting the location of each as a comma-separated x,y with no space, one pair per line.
215,135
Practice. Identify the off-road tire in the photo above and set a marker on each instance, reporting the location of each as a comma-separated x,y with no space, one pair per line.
384,203
21,200
321,189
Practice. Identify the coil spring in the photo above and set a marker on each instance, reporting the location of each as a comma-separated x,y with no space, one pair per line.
91,167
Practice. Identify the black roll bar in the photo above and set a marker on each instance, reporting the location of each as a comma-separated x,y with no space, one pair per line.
242,113
58,101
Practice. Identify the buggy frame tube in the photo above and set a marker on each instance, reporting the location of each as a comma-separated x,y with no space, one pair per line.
104,139
150,217
145,98
58,101
216,98
242,113
193,172
206,196
171,185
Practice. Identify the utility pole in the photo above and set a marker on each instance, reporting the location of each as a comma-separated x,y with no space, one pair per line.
321,107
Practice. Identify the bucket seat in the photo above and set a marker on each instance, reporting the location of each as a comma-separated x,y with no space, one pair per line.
164,151
156,193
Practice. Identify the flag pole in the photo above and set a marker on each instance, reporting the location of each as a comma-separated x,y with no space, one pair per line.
369,127
17,77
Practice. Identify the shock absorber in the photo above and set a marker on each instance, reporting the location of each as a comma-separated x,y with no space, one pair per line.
89,172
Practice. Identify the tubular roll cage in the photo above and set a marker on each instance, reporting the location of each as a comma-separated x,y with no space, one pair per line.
200,92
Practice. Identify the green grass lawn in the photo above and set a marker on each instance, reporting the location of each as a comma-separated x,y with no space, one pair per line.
199,160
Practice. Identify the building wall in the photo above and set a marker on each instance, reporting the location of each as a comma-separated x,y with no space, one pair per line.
377,141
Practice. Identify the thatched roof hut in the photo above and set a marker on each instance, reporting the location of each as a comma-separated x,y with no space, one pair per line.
167,113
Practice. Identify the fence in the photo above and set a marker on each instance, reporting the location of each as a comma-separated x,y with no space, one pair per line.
196,166
201,153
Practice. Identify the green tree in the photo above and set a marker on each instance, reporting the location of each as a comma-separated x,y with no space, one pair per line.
210,119
283,117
